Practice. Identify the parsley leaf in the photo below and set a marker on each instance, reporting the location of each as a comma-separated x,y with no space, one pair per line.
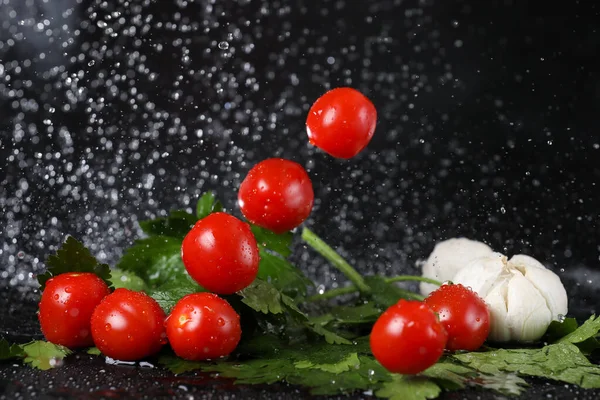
207,204
44,355
452,376
350,361
168,295
94,351
283,275
127,280
279,243
386,294
263,297
402,387
73,256
157,260
562,362
177,224
8,351
588,330
557,329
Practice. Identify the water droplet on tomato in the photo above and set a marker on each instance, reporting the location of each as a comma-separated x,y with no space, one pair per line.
68,289
220,322
56,296
74,312
108,327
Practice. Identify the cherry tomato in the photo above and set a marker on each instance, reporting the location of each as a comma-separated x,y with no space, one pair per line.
276,194
66,307
408,338
463,313
128,325
220,253
341,122
203,326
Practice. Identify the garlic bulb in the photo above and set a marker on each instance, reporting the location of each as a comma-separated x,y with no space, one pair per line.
448,257
523,296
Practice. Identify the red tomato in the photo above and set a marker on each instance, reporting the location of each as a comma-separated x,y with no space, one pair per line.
203,326
220,253
276,194
128,325
464,315
66,307
408,338
341,122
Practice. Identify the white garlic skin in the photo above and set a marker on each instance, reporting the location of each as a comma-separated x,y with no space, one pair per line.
523,296
447,258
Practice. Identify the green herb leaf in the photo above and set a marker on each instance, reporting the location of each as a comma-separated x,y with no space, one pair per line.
350,361
157,260
450,375
44,355
283,275
279,243
402,387
325,368
262,297
94,351
588,330
207,204
8,350
73,256
168,295
177,224
354,315
561,362
558,330
386,294
178,365
127,280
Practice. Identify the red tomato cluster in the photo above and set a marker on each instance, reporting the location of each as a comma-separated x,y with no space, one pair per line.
411,336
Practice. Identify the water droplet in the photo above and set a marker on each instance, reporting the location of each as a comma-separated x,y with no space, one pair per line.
223,45
220,322
107,327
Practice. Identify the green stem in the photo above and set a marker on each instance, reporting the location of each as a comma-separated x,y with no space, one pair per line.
351,289
332,256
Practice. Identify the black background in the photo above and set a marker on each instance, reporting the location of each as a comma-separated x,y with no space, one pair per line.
113,112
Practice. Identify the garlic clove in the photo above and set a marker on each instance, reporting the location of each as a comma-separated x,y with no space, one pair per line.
447,258
528,315
546,282
496,302
481,274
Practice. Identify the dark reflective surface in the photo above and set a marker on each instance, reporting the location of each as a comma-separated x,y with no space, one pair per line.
114,112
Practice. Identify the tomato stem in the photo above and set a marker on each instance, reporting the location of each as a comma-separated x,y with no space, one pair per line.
351,289
332,256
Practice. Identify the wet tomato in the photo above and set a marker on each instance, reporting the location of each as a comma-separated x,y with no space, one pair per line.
341,122
408,338
203,326
128,325
276,194
66,306
464,315
220,253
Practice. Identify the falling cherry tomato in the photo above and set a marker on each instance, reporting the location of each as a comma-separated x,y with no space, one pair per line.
341,122
408,338
463,313
276,194
221,254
